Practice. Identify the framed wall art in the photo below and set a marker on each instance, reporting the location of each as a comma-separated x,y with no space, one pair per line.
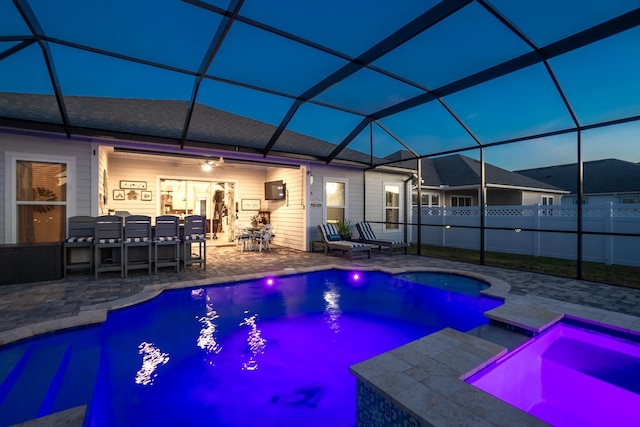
250,204
133,185
133,195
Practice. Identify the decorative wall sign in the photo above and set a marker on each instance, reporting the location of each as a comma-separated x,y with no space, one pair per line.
146,196
133,195
133,185
250,204
118,194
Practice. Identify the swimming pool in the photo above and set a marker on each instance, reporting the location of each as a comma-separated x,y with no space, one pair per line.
573,374
272,350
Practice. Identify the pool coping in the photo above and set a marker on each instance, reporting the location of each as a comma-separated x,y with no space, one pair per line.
426,377
97,313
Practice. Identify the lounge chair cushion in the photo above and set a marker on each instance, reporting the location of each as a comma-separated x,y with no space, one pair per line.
365,230
334,237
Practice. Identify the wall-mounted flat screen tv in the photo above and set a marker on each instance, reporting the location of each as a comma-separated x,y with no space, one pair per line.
275,190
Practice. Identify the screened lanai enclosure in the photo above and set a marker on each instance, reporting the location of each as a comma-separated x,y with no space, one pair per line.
520,120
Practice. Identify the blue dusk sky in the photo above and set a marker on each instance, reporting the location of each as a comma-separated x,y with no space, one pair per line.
278,50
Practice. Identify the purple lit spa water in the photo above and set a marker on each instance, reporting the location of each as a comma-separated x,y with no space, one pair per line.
571,375
270,352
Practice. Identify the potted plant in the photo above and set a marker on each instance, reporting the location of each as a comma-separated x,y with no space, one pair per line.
344,229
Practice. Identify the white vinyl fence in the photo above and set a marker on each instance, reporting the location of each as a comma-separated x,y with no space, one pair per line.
608,217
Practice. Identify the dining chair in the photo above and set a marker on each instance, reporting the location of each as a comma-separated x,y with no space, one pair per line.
242,237
194,234
108,236
167,234
137,234
263,238
77,249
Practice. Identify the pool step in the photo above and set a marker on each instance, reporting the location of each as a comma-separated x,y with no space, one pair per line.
54,386
76,387
12,364
48,376
29,383
500,335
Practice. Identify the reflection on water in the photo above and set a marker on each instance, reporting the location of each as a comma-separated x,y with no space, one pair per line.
152,357
256,344
196,294
332,307
207,337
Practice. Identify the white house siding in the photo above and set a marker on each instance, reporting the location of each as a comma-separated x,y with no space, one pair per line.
287,216
533,198
44,146
375,202
315,196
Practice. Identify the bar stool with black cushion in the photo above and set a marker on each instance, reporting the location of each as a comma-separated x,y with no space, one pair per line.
167,234
77,250
137,234
194,233
108,236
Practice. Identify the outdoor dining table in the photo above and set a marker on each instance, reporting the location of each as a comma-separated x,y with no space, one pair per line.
254,232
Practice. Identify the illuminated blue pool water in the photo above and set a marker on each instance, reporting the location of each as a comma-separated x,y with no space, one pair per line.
255,353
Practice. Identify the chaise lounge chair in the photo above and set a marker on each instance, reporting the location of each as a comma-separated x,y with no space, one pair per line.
332,240
368,236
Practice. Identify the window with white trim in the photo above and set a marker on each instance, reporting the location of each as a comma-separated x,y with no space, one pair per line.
40,201
547,200
460,201
335,201
428,199
391,207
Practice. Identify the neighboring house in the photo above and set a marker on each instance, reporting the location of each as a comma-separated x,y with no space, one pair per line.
107,164
455,181
606,180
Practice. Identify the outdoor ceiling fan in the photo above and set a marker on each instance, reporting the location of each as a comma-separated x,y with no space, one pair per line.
208,165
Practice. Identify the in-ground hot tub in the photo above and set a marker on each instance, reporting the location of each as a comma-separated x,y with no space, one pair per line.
572,374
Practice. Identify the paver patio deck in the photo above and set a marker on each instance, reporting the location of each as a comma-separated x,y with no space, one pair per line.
25,304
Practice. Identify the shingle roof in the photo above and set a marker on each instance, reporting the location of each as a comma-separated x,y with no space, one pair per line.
458,170
600,176
165,119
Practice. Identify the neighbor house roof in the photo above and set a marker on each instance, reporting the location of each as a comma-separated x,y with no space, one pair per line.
600,176
460,171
